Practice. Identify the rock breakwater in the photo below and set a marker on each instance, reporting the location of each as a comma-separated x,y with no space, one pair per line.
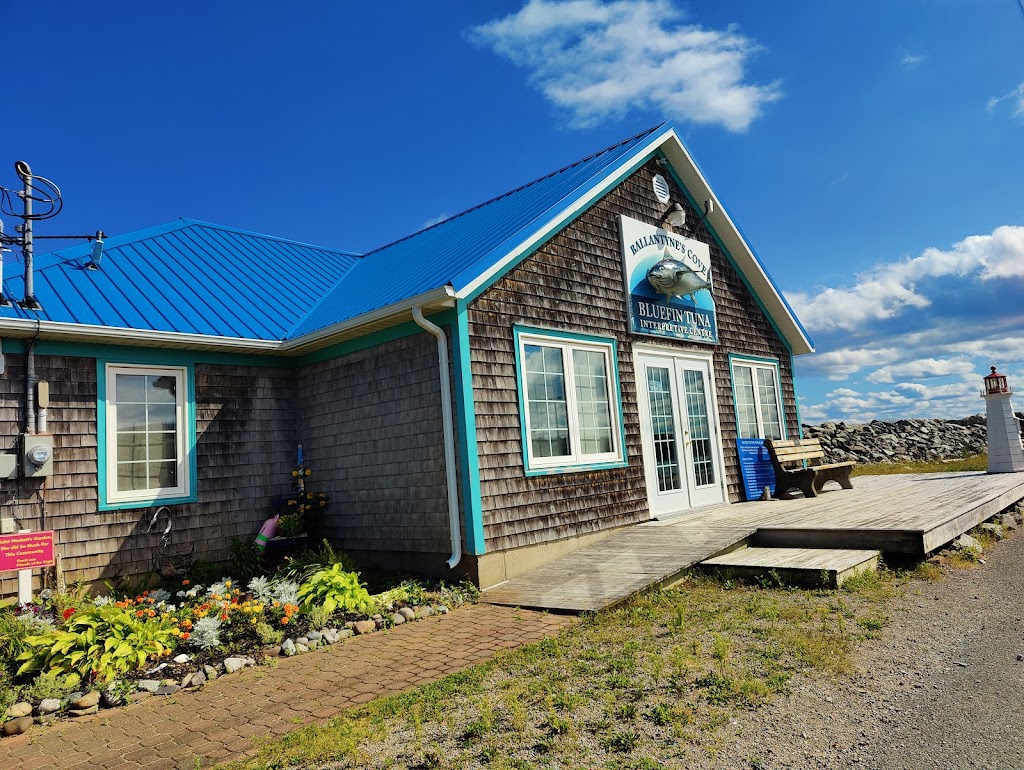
902,440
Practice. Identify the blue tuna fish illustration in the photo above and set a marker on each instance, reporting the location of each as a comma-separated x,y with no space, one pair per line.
674,279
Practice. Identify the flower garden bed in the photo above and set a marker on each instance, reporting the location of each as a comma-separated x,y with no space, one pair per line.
72,654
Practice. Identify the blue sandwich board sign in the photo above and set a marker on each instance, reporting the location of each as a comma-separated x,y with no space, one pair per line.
668,283
755,467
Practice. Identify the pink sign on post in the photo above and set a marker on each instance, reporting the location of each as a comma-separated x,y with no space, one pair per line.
26,550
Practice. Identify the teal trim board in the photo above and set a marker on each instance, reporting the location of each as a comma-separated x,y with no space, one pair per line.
406,329
796,399
760,360
130,354
101,437
465,414
561,334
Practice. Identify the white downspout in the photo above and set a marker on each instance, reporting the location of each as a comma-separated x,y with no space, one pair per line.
444,372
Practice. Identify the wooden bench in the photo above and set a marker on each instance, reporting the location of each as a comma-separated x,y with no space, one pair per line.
788,458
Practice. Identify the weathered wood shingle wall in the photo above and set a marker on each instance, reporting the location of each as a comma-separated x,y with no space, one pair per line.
246,436
574,282
372,432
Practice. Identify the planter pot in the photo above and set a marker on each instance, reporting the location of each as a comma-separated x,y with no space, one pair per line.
279,548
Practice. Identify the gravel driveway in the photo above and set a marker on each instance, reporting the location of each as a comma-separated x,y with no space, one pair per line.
941,688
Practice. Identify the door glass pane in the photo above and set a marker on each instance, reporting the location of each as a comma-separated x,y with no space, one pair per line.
545,401
768,398
700,429
592,401
663,427
746,410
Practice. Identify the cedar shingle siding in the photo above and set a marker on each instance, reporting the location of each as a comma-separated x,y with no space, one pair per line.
574,282
246,434
372,432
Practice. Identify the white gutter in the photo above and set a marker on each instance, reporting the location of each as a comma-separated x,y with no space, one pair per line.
443,296
444,372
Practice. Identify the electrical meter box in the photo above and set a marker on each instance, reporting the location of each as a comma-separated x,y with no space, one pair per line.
37,454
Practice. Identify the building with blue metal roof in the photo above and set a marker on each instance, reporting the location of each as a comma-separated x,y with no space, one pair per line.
581,353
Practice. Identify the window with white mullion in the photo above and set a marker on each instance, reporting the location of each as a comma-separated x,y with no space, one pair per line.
569,402
756,390
145,433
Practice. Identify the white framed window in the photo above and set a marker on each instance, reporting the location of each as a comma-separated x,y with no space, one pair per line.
146,434
755,387
568,388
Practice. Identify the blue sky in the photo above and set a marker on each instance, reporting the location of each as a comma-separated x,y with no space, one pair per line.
872,152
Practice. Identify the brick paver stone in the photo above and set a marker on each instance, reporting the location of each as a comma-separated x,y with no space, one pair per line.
161,733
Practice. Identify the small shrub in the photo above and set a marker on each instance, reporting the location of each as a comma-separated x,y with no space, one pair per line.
261,589
268,634
246,557
100,644
205,633
285,592
660,714
318,617
302,566
47,686
335,589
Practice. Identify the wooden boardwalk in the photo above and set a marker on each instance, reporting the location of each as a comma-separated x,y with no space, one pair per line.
613,569
829,567
911,514
907,514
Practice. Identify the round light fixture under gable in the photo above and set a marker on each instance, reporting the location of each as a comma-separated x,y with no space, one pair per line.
661,190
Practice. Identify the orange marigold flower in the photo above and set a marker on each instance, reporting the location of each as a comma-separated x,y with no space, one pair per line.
151,613
284,621
184,582
185,635
277,604
139,613
224,616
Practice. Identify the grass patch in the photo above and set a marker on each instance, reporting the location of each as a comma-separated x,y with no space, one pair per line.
647,684
973,463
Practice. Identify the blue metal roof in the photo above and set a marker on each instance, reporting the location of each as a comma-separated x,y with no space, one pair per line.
186,277
461,248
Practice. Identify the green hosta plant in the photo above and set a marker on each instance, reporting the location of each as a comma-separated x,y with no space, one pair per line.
335,589
99,644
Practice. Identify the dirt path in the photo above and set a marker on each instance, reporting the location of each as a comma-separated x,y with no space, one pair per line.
941,688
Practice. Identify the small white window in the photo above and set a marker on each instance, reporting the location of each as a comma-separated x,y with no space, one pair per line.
758,409
146,433
570,400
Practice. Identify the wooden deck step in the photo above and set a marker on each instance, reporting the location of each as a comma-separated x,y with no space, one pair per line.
795,566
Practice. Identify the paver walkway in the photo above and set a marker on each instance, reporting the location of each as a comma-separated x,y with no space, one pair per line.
218,722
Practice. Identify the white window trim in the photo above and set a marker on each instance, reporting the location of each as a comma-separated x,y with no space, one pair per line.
184,486
576,458
753,364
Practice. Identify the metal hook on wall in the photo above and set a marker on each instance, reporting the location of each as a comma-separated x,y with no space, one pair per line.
165,538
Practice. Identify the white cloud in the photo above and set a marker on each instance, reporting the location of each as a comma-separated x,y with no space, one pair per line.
887,289
923,368
598,59
912,61
435,220
842,392
840,364
1016,99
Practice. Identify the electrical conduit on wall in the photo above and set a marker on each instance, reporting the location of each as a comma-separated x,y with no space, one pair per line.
449,434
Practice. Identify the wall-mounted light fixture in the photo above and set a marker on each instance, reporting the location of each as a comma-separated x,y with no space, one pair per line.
674,217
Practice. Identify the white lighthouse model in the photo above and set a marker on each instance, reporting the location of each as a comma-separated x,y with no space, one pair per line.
1005,451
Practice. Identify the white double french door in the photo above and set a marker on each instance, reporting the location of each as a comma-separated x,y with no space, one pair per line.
678,421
